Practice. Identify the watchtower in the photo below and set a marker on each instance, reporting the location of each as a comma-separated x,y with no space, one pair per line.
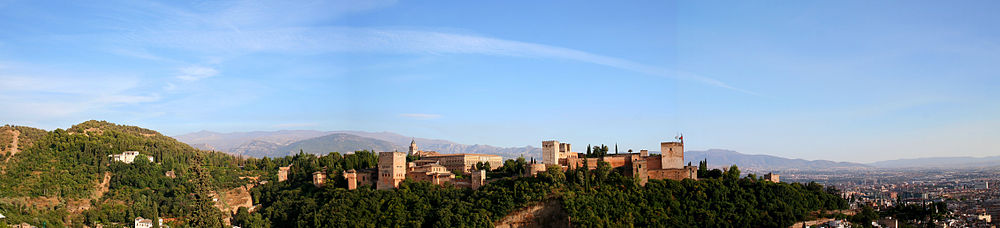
551,152
672,155
391,169
352,179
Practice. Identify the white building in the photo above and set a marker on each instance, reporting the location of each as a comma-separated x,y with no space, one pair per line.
143,223
146,223
127,157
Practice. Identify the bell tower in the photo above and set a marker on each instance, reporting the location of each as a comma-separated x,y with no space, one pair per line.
413,147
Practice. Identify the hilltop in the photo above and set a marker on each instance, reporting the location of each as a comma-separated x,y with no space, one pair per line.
64,177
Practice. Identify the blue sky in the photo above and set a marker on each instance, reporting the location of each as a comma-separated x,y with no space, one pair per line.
839,80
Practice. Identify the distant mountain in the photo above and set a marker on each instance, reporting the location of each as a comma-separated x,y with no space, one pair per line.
449,147
246,142
717,158
337,142
941,162
279,143
257,148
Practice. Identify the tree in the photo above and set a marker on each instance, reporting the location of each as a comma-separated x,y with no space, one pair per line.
733,173
703,168
483,166
204,214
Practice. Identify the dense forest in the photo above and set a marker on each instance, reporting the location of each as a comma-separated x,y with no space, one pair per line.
65,178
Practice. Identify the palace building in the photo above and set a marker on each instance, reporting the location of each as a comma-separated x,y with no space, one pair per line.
669,164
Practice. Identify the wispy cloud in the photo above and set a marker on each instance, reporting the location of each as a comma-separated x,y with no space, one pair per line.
32,94
194,73
344,39
235,28
422,116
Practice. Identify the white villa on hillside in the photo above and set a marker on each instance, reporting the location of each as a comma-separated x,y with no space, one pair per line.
146,223
127,157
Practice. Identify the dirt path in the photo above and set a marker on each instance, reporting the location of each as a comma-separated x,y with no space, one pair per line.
13,145
102,187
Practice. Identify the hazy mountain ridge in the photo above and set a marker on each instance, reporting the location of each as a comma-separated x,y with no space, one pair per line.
337,142
941,162
238,141
280,143
286,142
717,157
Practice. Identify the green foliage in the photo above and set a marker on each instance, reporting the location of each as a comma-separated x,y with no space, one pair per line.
18,213
414,204
865,217
919,213
747,202
68,164
510,168
203,213
597,152
483,166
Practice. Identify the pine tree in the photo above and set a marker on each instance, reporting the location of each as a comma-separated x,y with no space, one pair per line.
204,214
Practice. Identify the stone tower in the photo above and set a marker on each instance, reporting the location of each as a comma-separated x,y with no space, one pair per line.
640,171
672,155
478,178
413,147
391,169
352,179
283,173
550,152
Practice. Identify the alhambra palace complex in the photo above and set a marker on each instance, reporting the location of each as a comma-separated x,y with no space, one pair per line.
642,165
441,168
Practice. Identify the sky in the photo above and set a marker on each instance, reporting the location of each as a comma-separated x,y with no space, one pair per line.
857,81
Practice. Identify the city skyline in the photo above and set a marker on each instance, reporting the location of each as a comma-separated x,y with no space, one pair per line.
852,81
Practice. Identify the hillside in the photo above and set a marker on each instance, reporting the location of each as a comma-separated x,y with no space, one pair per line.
724,158
65,177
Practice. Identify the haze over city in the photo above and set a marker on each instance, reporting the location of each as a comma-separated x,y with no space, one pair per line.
852,81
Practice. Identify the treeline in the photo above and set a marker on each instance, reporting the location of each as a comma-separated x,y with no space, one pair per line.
599,198
414,204
602,197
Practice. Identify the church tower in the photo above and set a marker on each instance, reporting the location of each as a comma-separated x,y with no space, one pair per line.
413,147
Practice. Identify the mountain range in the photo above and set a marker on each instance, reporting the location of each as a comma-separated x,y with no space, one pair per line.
287,142
941,162
717,157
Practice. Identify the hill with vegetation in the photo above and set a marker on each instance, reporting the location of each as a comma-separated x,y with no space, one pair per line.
65,177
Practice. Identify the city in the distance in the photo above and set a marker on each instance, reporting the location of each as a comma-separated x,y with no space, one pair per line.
397,113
